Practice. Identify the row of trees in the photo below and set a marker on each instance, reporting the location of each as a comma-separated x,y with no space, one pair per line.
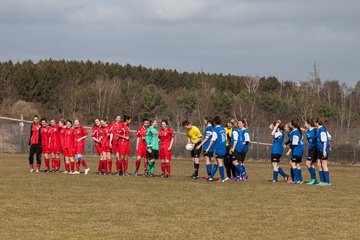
87,90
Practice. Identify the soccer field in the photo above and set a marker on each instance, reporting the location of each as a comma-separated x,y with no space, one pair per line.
59,206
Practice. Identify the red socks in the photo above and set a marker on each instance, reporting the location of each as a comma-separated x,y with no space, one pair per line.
77,166
31,166
67,167
126,164
109,165
72,165
84,164
47,163
167,166
53,163
105,166
137,165
120,165
163,168
100,166
38,166
58,164
145,165
117,165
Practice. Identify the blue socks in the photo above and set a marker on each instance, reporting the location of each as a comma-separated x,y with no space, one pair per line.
275,175
238,170
214,170
326,176
208,169
292,174
243,170
312,172
282,173
299,178
221,170
321,176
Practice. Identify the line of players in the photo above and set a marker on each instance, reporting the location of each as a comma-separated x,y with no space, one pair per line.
151,145
230,146
318,139
52,139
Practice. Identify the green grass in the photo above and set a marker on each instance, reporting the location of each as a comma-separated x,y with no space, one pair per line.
59,206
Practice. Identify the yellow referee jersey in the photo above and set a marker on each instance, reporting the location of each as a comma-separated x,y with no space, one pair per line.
228,134
194,134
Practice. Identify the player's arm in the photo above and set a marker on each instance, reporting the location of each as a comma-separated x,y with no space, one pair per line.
213,139
172,141
247,138
324,138
236,138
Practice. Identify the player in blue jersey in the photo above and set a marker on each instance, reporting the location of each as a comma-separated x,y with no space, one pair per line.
219,140
236,151
312,149
245,141
205,144
323,147
277,150
296,150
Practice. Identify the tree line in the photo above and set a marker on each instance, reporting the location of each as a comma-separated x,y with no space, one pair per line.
86,89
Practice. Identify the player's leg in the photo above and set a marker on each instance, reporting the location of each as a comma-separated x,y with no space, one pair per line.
31,157
220,160
326,173
162,161
46,159
208,163
38,152
244,175
227,162
137,165
298,168
108,162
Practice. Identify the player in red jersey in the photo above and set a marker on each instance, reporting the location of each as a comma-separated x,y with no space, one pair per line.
62,126
105,146
115,127
95,135
44,130
80,135
123,139
166,138
35,144
68,147
141,147
54,145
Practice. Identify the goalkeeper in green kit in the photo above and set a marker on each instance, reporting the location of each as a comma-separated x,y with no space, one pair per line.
152,142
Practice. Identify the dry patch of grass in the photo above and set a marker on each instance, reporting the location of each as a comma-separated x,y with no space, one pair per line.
59,206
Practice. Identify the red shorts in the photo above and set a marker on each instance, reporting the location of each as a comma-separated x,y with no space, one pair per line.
115,148
105,148
54,148
68,152
124,148
142,151
79,148
98,148
165,153
45,149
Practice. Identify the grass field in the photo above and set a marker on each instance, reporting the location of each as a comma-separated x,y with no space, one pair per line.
59,206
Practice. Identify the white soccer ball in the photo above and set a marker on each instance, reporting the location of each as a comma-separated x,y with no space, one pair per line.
189,147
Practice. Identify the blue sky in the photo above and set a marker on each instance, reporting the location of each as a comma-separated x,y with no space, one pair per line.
281,38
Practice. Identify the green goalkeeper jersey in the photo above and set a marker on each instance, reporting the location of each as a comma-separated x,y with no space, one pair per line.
152,138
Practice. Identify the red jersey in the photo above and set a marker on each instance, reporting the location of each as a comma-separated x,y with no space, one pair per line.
45,136
96,132
115,128
54,136
165,136
141,134
124,131
105,134
35,136
69,138
80,132
62,136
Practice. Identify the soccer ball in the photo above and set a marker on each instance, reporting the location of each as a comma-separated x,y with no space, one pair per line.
189,147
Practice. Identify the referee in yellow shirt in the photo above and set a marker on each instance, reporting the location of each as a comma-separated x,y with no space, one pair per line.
194,137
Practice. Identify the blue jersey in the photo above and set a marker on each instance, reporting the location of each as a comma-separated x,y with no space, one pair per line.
236,137
219,139
321,137
311,138
245,138
277,147
297,143
207,135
